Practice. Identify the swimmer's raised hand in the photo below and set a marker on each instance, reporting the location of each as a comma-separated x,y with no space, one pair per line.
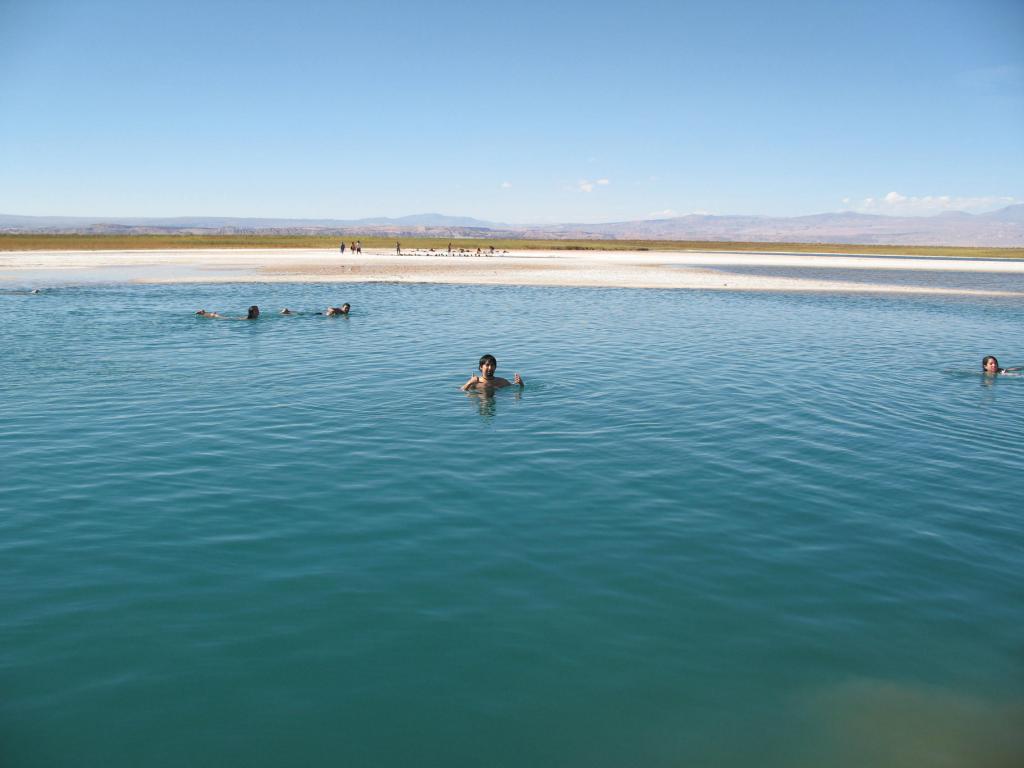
518,380
473,381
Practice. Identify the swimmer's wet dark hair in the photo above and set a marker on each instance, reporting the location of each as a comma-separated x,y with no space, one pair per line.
254,311
487,359
986,358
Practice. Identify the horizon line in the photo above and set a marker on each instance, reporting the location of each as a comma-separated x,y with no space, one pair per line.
492,222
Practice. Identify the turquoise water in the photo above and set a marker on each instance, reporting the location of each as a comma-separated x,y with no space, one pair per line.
714,529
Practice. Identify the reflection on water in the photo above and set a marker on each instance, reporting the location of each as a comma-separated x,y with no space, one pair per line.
886,723
487,399
125,273
485,403
1010,282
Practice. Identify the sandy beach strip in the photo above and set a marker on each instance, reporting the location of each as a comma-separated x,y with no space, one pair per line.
666,270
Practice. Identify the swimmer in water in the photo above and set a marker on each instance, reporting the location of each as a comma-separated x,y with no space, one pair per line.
253,314
989,364
487,379
287,311
341,311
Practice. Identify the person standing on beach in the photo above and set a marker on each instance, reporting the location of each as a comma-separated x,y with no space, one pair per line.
342,246
449,248
359,246
398,248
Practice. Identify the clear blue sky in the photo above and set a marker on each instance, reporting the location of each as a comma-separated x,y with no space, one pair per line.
526,111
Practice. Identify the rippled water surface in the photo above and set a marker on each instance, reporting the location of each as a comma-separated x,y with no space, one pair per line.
714,529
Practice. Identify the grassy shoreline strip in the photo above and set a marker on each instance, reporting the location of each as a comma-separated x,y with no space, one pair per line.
26,242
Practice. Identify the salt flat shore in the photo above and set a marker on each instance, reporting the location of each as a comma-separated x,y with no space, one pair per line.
679,269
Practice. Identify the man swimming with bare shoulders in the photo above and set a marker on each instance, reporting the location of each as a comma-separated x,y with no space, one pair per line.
487,379
341,311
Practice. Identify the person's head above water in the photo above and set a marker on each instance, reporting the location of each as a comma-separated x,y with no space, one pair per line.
488,365
254,312
989,364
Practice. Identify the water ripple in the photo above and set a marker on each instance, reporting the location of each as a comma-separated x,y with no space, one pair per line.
701,507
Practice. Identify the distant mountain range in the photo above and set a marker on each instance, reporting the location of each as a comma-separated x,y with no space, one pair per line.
1001,228
79,224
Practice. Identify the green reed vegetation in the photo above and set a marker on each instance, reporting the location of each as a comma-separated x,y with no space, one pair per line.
46,242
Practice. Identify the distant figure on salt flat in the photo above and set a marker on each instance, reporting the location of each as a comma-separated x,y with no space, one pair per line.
449,248
359,246
398,248
342,246
487,379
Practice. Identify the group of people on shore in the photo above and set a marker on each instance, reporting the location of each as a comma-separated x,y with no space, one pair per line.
356,247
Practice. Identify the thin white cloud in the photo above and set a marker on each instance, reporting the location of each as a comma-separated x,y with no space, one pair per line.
910,205
668,213
588,186
506,185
